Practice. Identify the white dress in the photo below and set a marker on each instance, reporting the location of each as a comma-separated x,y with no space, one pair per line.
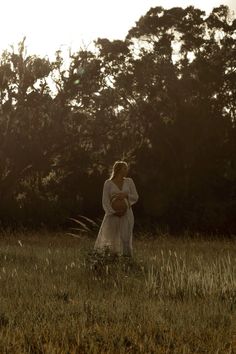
116,232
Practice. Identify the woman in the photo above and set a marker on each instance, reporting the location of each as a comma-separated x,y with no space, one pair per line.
116,231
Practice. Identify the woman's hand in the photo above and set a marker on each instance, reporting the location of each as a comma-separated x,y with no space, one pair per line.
122,195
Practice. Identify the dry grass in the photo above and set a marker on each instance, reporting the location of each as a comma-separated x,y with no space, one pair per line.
175,296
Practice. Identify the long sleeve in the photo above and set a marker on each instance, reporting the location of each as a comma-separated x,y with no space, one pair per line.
133,195
106,199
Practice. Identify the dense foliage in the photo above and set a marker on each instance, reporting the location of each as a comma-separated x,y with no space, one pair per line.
164,99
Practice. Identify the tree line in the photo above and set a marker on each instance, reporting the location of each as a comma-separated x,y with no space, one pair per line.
163,99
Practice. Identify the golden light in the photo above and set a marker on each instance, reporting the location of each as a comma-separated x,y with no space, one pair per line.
53,24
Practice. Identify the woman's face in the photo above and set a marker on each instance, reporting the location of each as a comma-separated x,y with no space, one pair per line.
124,171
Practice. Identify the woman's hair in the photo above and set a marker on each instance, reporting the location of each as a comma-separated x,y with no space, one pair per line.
117,167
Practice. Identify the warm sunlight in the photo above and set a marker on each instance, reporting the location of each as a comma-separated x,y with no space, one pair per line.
49,24
117,176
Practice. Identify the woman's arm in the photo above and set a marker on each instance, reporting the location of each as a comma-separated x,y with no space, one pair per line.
106,199
133,195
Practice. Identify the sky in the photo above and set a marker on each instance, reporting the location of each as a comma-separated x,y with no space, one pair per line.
50,25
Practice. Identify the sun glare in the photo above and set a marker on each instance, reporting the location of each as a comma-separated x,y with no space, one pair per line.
50,25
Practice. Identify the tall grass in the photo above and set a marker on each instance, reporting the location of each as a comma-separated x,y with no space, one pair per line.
177,295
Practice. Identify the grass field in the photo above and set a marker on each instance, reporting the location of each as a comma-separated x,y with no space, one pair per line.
177,295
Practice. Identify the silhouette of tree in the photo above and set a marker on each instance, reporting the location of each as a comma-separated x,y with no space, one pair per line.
164,99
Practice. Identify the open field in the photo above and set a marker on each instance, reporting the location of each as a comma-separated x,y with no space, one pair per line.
175,296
